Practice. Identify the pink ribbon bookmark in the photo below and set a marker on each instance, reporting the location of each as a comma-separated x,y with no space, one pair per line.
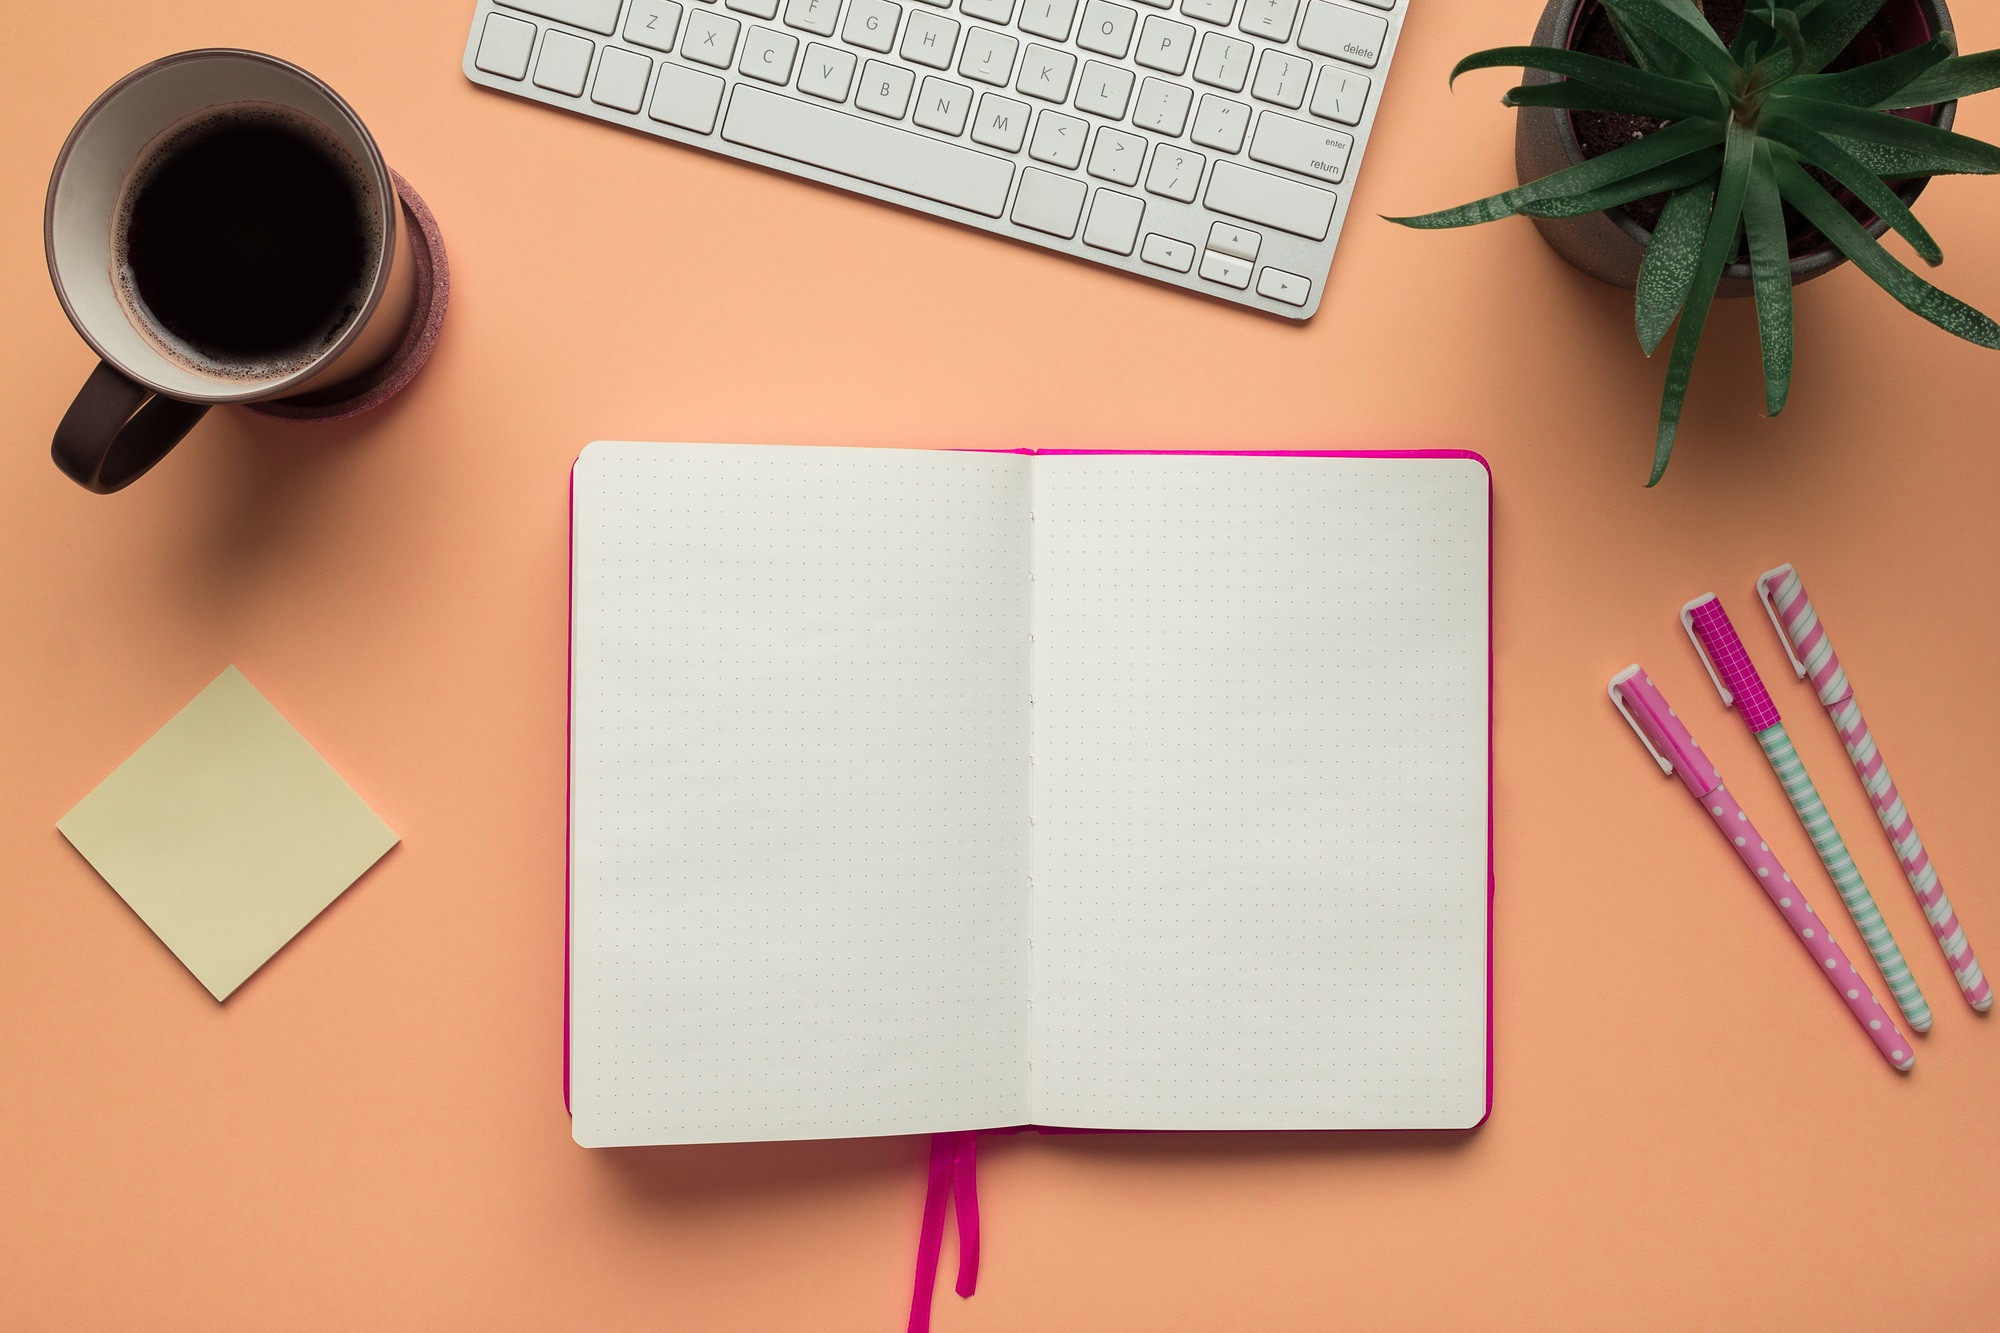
954,1171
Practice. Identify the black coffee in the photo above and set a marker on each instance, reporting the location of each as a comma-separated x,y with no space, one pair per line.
248,240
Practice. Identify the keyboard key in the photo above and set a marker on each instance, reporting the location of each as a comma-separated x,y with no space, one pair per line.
564,63
1048,18
828,72
686,97
1225,269
621,79
993,11
1163,107
818,17
1114,222
1341,95
869,150
768,55
710,39
1270,19
1380,4
763,9
1258,196
1048,202
594,15
1176,173
1282,78
1058,139
1220,123
871,24
1209,11
885,89
1234,240
929,39
1104,90
1117,156
943,105
1336,30
989,57
654,24
1002,123
1045,73
1224,62
1167,253
1301,146
1107,28
1282,286
504,46
1165,45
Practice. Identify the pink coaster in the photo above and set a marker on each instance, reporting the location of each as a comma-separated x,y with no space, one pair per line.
378,386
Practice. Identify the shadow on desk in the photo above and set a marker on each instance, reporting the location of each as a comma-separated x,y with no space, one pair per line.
683,1173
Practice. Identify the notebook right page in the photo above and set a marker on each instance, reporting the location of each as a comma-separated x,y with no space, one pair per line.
1260,860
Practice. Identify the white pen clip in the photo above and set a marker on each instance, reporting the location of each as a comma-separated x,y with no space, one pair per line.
1687,623
1666,764
1771,610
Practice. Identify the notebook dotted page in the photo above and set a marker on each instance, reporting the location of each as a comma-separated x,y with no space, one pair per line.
799,840
1260,805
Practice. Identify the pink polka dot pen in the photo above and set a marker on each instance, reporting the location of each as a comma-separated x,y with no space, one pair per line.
1666,738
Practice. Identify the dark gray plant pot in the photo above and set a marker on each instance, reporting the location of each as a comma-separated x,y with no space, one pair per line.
1610,245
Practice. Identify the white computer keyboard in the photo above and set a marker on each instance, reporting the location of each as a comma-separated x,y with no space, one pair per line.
1212,145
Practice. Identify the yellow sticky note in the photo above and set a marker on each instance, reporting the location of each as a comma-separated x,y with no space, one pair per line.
227,833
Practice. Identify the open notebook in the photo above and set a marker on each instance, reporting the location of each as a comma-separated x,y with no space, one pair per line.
923,791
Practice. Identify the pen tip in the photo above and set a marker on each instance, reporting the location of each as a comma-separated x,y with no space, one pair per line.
1904,1060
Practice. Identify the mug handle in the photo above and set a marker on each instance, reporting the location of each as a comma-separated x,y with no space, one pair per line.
117,429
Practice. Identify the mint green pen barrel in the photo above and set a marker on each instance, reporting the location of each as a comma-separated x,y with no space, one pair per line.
1735,676
1846,879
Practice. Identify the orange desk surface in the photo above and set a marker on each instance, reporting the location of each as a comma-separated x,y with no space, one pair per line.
1688,1130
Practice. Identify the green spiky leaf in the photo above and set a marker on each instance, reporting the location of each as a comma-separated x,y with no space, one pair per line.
1770,276
1668,268
1895,132
1830,27
1669,99
1961,76
1655,150
1573,95
1873,84
1852,239
1898,163
1648,51
1674,175
1679,24
1794,133
1718,247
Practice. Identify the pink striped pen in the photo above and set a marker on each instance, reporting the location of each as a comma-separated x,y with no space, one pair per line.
1666,738
1811,654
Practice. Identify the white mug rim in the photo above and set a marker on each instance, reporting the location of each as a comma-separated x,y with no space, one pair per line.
374,164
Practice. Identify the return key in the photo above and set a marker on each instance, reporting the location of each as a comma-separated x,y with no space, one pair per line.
1297,145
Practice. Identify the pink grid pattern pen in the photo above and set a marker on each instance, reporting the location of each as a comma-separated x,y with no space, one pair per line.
1666,738
1811,654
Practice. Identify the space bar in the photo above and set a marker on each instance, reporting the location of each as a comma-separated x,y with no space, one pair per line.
880,154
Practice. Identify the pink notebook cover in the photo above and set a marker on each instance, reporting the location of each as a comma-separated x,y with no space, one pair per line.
1213,453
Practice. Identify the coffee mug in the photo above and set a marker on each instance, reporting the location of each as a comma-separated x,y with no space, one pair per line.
221,228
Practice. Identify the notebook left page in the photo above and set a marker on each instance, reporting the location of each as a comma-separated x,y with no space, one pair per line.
798,793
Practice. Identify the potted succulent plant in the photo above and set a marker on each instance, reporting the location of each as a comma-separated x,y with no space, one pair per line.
1738,150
